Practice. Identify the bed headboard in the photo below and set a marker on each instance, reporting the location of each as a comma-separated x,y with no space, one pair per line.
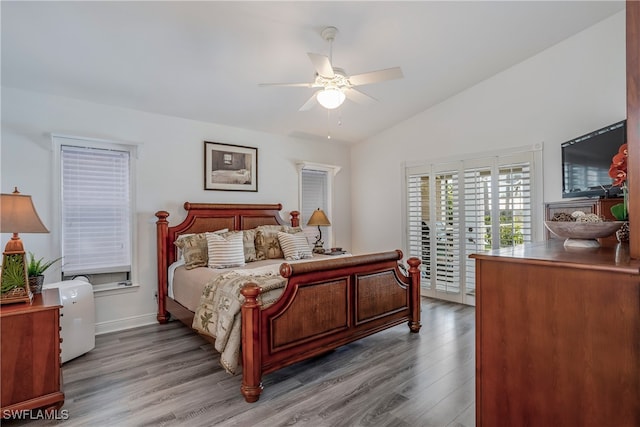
202,217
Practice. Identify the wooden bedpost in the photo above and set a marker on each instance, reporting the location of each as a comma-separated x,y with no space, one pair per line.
414,275
161,235
295,218
251,344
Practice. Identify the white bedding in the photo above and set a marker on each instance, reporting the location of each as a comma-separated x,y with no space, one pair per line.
170,273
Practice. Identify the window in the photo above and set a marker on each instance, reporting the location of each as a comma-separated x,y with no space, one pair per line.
314,193
316,186
96,209
458,208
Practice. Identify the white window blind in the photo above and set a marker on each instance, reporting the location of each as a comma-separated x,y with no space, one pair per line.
314,193
96,210
315,188
456,208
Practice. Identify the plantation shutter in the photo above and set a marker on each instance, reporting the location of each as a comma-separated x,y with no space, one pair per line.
446,224
514,183
419,239
96,210
455,209
478,218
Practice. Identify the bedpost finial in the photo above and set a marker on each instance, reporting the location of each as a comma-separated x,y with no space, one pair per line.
295,218
162,216
286,270
251,291
413,262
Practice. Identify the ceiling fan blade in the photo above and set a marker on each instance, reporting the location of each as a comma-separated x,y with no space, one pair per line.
322,65
359,96
376,76
286,84
311,102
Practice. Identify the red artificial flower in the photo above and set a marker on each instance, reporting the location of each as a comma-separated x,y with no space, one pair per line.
618,169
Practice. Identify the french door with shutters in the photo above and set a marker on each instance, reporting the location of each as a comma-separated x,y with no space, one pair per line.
459,208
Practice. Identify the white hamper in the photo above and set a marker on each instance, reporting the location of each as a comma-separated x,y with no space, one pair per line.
77,317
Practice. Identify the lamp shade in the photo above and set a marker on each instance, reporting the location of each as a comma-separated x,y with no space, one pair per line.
18,215
330,98
318,218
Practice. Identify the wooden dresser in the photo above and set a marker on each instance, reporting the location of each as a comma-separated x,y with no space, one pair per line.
30,353
557,337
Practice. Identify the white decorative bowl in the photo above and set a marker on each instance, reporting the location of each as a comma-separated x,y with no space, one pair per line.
583,234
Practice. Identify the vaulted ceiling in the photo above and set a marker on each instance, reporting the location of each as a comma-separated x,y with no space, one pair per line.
205,60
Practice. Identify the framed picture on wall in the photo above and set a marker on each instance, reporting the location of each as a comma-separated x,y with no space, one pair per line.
230,167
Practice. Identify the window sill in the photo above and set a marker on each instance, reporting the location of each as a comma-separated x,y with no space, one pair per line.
114,288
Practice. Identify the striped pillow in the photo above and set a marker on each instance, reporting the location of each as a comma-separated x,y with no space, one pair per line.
225,250
193,249
294,246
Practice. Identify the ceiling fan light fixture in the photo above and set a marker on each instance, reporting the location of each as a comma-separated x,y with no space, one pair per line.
330,98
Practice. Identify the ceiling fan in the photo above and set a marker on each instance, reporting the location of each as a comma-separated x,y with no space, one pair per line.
333,83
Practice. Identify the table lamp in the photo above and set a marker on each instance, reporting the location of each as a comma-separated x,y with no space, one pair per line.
17,215
318,218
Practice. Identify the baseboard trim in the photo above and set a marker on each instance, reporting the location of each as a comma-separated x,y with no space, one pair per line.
126,323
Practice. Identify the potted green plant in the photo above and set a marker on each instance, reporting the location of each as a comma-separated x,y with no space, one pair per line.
12,278
36,269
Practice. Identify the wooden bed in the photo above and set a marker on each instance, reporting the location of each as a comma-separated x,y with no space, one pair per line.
325,304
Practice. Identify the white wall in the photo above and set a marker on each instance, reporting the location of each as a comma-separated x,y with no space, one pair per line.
565,91
169,172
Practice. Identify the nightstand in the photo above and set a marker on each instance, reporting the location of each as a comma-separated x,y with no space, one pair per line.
30,353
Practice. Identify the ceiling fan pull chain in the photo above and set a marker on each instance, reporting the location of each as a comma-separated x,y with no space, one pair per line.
328,124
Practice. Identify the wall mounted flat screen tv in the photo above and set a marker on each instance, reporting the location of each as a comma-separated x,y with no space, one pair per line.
586,161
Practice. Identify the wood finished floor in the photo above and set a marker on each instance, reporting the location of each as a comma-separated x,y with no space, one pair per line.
166,375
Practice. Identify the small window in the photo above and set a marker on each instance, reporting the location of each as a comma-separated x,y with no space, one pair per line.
316,191
96,208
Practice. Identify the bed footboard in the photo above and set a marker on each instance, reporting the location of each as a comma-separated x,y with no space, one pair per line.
325,305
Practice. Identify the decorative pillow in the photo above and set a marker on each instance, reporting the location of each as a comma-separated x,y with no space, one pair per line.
294,246
194,250
248,241
225,250
266,242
